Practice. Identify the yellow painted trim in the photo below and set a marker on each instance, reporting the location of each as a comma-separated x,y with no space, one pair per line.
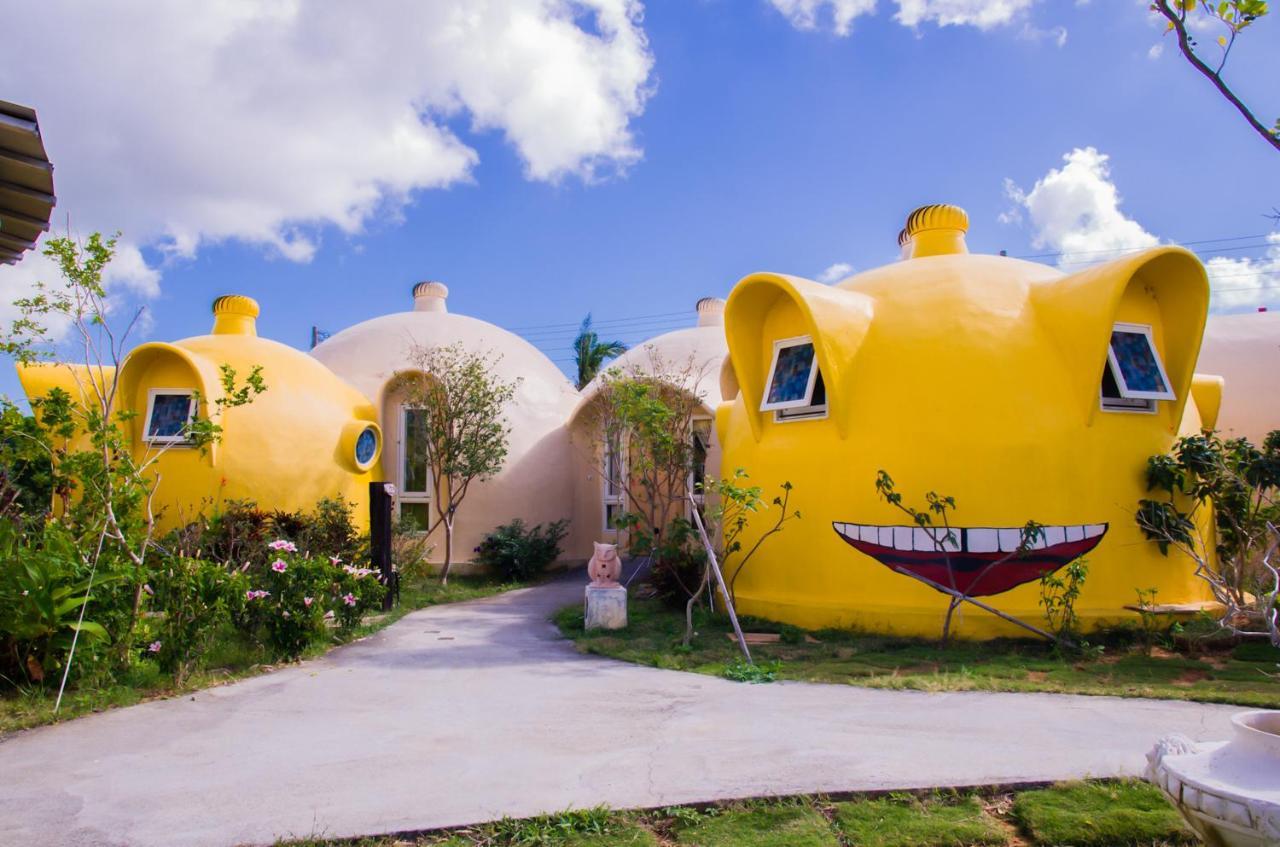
1207,391
836,319
1069,310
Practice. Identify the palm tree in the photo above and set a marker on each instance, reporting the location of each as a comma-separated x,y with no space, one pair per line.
591,353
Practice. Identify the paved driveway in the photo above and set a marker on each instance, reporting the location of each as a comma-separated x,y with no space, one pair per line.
465,713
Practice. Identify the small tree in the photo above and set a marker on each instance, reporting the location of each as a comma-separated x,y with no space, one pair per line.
733,503
462,432
1239,484
643,418
590,353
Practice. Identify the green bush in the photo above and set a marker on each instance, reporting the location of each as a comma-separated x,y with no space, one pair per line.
195,598
43,585
514,553
285,604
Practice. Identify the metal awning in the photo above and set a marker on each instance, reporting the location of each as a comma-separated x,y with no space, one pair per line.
26,182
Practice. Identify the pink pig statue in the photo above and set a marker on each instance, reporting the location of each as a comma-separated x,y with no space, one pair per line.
605,567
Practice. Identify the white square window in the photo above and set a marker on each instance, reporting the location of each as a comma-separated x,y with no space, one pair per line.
1135,364
792,375
169,415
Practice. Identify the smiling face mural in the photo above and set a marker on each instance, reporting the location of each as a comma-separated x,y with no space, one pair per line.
1026,394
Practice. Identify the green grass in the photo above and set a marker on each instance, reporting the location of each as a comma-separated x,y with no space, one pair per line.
229,659
760,825
1100,815
1111,813
911,822
1246,677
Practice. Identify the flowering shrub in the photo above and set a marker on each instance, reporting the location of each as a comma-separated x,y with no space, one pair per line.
286,604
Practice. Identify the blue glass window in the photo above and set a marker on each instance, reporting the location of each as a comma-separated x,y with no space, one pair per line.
792,376
168,417
1135,364
366,446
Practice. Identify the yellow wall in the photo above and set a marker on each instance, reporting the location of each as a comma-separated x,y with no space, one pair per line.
972,376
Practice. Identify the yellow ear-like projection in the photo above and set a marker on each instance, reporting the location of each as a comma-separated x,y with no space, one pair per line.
1025,394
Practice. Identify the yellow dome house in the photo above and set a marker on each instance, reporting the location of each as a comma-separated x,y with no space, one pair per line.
308,436
1024,393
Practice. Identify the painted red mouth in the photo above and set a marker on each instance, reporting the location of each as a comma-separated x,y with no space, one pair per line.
978,561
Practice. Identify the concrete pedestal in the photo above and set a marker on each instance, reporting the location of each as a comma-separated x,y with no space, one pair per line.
606,608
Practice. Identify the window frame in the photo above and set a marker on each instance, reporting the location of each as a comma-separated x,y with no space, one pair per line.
173,440
1117,373
403,495
616,498
700,497
778,346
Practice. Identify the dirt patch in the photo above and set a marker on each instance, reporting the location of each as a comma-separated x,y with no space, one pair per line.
1189,678
1037,676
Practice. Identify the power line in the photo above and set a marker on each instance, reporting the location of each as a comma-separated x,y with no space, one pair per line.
1131,249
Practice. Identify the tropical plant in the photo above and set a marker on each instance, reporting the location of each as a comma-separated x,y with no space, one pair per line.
590,353
516,553
1218,503
44,586
462,430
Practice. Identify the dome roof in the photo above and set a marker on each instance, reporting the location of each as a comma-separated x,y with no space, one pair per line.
368,354
703,347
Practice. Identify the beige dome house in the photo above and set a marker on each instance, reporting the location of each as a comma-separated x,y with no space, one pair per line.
699,352
535,484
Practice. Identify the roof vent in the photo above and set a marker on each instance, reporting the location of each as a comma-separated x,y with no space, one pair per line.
430,297
710,311
936,230
235,314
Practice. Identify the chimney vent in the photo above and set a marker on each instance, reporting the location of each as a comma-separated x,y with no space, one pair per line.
710,311
430,297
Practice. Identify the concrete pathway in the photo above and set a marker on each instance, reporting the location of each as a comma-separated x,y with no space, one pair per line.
465,713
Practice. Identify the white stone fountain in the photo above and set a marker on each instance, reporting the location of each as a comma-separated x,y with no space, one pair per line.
1229,791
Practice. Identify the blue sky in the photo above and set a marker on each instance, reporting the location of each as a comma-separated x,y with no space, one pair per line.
752,142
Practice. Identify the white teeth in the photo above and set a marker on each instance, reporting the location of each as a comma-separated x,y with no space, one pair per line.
983,540
977,540
902,537
1009,539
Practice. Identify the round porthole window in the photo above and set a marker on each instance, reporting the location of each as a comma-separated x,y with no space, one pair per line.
366,446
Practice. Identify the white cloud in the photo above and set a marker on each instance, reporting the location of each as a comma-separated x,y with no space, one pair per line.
1156,51
984,14
835,273
266,121
805,14
1249,282
1075,210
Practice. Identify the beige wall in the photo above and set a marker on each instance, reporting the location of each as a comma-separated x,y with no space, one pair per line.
1245,351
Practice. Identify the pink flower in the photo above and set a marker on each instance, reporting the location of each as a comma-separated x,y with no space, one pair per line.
335,560
307,601
147,588
349,599
328,616
285,614
282,544
154,648
256,594
279,566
